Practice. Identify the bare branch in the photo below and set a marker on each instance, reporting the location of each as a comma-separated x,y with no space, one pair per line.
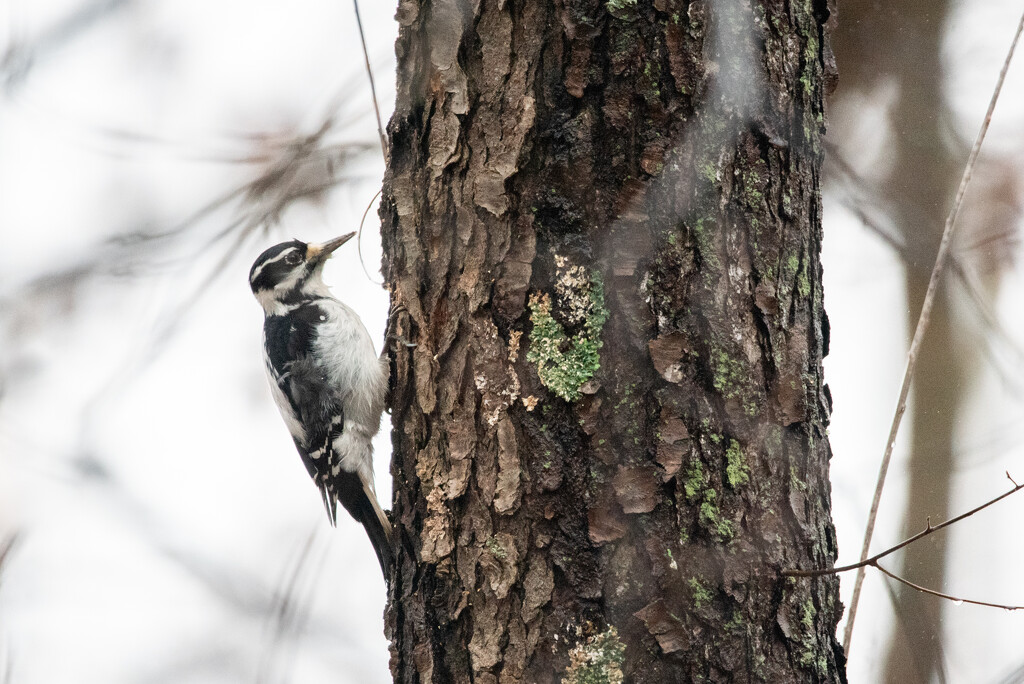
373,88
929,529
922,326
19,58
359,239
955,599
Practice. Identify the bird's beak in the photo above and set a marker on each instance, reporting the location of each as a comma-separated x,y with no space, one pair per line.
321,252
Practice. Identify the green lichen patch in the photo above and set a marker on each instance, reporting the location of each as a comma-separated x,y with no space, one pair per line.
703,232
708,172
736,470
701,595
803,283
792,265
565,363
706,498
810,656
794,479
652,80
808,77
736,624
711,516
728,375
619,6
754,184
730,378
598,660
496,549
693,485
794,271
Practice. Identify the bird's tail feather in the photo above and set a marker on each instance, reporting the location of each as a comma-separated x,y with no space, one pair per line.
330,504
378,529
359,500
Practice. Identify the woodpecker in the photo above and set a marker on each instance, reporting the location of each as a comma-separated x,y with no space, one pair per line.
326,379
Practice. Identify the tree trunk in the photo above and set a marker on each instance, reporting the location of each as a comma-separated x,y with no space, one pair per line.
903,42
604,221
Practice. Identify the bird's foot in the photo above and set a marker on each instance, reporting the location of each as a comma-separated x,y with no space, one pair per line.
397,308
402,341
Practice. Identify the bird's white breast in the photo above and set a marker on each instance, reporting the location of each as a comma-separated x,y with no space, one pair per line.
351,364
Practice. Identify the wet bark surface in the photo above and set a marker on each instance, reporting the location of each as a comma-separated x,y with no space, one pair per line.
610,437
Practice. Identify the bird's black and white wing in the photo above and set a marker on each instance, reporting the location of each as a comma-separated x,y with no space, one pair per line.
309,405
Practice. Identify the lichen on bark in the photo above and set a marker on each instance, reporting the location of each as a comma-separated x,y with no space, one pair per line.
598,660
564,361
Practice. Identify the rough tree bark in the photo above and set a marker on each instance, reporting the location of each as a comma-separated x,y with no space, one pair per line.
604,221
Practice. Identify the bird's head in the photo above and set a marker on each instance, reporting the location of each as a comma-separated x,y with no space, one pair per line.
291,270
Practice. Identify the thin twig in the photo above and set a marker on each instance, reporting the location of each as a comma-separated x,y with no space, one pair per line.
922,326
359,239
373,88
930,529
380,132
955,599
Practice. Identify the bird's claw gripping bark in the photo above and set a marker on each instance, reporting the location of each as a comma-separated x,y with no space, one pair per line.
397,308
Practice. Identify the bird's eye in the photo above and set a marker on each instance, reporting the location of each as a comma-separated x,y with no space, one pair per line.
292,258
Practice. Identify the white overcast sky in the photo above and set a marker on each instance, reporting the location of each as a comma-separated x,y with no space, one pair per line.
162,508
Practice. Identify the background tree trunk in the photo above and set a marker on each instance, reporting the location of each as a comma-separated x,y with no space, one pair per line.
917,178
604,221
906,45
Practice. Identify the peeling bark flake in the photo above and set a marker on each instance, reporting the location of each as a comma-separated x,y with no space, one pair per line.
663,626
495,378
538,586
605,523
667,355
500,563
673,445
423,364
670,457
485,644
506,493
423,658
445,27
637,489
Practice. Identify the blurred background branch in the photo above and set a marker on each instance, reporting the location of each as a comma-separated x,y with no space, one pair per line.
99,306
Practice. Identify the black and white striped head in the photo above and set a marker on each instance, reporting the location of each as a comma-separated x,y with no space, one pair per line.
290,270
